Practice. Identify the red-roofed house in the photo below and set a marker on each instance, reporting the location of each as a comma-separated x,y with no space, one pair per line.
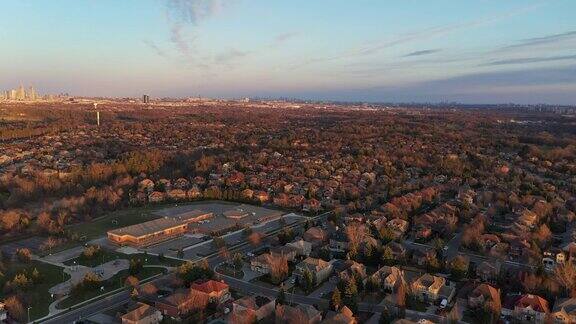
526,308
142,314
217,292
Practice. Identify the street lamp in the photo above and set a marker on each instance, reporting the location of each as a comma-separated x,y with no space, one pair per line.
29,313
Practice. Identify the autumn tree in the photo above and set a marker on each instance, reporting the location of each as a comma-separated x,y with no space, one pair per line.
278,267
132,281
15,308
565,274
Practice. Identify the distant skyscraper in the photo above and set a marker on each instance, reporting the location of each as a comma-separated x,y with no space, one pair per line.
31,95
20,93
146,99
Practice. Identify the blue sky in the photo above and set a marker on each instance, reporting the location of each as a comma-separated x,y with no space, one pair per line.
480,51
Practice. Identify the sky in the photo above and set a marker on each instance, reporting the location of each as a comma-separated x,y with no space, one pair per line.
470,51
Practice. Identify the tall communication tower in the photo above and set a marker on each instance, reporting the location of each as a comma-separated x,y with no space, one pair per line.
97,114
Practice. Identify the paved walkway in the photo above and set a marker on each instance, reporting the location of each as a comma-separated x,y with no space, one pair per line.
77,273
63,256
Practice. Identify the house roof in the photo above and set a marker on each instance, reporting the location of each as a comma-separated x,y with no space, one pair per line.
489,292
253,302
316,264
567,305
142,311
209,286
534,302
431,282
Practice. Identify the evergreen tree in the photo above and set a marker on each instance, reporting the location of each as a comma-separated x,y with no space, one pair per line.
387,256
351,295
336,300
281,299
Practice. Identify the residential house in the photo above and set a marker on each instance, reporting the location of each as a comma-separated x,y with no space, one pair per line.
260,264
316,236
564,311
319,268
141,314
488,270
399,226
305,314
398,250
350,269
339,242
284,251
258,307
389,278
216,291
421,257
526,308
3,312
518,248
182,302
302,247
343,316
482,294
432,288
489,240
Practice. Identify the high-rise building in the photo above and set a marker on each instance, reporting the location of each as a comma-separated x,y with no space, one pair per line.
20,93
31,95
146,99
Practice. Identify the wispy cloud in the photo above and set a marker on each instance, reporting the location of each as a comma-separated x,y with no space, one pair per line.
179,40
193,11
423,52
229,56
544,40
447,29
189,12
155,48
424,34
528,60
284,37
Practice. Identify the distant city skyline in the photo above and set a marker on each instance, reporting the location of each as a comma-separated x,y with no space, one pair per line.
488,51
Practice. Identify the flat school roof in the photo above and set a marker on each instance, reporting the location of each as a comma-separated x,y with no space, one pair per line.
148,227
158,225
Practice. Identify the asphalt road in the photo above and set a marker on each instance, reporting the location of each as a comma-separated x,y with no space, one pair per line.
213,260
90,309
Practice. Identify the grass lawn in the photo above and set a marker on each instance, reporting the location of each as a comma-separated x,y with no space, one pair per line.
415,304
37,296
108,255
116,219
111,284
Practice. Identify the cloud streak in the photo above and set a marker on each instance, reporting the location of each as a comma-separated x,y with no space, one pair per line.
193,11
544,40
155,48
230,55
422,35
178,39
528,60
423,52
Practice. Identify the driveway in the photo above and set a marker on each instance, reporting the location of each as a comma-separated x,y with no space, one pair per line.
323,290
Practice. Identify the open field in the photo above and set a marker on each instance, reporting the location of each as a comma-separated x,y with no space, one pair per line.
36,293
116,282
109,255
